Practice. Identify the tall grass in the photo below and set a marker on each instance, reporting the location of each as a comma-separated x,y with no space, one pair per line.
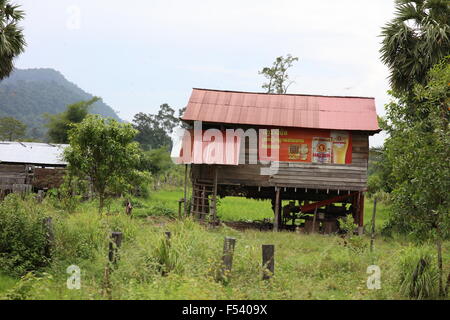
306,266
418,273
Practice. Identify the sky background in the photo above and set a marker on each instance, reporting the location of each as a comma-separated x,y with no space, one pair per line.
138,54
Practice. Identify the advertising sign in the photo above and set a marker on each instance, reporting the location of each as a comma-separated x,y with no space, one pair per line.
307,145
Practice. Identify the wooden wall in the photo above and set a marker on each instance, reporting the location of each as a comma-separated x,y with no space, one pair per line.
11,175
21,174
300,175
328,176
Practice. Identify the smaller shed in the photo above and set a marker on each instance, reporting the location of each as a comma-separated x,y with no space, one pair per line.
25,166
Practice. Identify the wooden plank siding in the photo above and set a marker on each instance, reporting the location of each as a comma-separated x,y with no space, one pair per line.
294,174
11,175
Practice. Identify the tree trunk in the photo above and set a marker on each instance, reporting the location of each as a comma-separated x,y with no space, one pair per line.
101,197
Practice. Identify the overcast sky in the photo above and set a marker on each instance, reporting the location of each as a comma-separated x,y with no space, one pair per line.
138,54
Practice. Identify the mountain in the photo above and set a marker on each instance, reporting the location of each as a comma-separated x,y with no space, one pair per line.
27,94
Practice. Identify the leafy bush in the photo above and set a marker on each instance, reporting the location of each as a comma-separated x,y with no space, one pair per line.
27,286
418,275
355,243
22,238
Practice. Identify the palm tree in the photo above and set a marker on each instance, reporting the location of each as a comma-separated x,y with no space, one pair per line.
415,40
12,42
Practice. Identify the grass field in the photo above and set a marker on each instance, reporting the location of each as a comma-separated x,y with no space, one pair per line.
306,266
237,208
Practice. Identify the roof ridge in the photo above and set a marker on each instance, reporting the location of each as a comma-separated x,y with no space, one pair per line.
285,94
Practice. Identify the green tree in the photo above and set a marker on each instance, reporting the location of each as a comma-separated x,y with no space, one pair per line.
419,150
59,124
154,129
417,38
103,150
277,74
11,129
12,41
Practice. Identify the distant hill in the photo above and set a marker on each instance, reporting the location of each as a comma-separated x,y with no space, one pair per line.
27,94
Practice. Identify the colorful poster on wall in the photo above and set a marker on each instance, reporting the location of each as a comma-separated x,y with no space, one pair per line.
306,145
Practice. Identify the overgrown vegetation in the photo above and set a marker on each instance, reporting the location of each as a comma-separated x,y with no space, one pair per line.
22,238
151,267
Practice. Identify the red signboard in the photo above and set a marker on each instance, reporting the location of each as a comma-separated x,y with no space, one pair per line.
214,146
306,145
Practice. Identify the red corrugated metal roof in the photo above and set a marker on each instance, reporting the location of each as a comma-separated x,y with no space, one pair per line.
282,110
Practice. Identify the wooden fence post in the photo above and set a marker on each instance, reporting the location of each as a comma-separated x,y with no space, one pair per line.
268,260
168,236
372,237
114,245
179,208
227,258
40,195
49,237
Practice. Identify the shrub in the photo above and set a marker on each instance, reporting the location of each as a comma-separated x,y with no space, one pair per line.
161,209
418,276
22,238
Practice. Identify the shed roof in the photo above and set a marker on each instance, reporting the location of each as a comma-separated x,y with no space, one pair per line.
282,110
32,153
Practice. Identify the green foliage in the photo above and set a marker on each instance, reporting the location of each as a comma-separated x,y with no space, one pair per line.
79,237
354,243
12,40
11,129
418,275
380,168
103,149
22,238
164,172
306,266
29,94
373,184
277,75
156,161
167,258
154,129
419,150
59,124
162,210
415,40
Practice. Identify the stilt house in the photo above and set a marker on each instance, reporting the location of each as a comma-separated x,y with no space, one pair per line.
309,149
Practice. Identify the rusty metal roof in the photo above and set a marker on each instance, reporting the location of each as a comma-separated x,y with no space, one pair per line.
282,110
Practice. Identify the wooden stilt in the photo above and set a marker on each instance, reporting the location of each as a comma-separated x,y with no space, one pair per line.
277,209
214,208
361,214
185,189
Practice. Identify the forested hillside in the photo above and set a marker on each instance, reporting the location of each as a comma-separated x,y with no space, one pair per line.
27,94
